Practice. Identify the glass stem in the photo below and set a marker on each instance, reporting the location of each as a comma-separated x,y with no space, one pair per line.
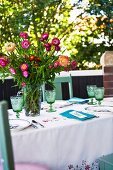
50,107
91,100
17,115
99,102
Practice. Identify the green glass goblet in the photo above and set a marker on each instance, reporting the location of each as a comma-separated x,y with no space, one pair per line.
17,104
99,94
91,94
50,96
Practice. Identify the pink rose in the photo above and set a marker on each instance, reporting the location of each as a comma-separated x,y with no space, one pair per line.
24,66
23,84
73,64
57,48
25,44
50,66
12,70
47,45
24,35
3,61
44,36
48,48
55,41
56,64
25,73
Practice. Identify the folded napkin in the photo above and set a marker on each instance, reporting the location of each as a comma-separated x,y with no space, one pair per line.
78,115
78,100
62,104
57,104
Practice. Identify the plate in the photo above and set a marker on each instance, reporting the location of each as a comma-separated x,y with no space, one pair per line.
18,124
108,99
99,109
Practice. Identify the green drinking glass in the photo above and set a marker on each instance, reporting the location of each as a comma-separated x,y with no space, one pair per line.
99,94
91,94
50,96
17,104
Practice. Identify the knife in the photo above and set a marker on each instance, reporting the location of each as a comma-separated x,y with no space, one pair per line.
35,122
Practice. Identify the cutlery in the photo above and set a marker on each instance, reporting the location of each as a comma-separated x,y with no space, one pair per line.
35,122
65,105
34,126
13,127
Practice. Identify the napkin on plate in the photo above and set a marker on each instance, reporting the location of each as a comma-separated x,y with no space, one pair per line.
78,100
78,115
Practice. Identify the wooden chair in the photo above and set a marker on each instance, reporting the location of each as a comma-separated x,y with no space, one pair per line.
6,149
59,79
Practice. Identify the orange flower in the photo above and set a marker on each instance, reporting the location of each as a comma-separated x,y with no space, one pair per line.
10,47
63,60
31,58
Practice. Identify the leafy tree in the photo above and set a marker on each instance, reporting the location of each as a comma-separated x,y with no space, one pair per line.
36,16
85,37
95,32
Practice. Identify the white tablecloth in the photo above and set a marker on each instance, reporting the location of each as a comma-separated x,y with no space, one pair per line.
65,143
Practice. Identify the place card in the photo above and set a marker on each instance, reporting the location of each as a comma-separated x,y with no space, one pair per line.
78,115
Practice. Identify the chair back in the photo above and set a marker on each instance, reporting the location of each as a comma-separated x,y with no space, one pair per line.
5,138
59,79
58,86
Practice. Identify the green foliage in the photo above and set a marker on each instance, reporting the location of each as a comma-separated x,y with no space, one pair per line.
95,33
85,38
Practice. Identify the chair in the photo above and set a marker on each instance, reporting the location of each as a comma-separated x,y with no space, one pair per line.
58,85
59,79
6,149
106,162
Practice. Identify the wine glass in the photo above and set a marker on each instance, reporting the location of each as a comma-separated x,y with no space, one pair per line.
99,94
90,92
17,104
50,96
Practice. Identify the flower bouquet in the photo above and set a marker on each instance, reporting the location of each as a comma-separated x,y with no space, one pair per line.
32,63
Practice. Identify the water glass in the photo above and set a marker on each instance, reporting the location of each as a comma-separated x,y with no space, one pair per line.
99,94
17,104
91,94
50,96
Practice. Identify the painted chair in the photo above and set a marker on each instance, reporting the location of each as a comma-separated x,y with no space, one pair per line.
6,150
58,86
59,79
106,162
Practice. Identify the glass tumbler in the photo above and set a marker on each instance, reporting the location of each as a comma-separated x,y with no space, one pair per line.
17,104
50,96
91,94
99,94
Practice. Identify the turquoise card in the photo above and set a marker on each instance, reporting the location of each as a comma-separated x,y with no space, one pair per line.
78,115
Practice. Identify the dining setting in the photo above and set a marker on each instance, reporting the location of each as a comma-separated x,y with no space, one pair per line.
45,129
67,134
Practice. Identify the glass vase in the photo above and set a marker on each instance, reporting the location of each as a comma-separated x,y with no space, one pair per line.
32,100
